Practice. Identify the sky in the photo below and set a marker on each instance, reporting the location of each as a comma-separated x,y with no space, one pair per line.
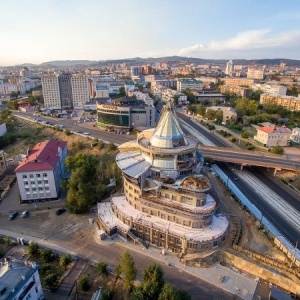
35,31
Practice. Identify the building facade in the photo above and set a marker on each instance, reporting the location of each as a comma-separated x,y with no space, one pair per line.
256,73
167,202
65,91
229,114
271,136
229,67
238,90
238,81
270,89
289,102
188,83
125,114
40,173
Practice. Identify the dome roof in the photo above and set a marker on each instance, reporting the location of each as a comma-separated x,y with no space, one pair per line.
168,133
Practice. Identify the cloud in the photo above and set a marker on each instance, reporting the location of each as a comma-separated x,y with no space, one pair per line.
257,43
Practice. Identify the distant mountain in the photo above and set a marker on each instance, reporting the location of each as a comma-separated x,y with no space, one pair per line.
68,63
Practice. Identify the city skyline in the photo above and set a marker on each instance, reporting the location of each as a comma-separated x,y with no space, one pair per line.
36,32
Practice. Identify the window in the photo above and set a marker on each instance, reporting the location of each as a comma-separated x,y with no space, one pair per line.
44,174
25,182
38,175
34,189
24,176
27,190
40,189
31,175
45,181
39,182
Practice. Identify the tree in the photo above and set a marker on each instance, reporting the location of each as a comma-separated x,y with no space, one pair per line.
33,249
67,132
7,240
128,269
200,110
210,114
12,104
13,95
65,260
168,293
47,255
152,282
244,134
122,91
219,116
84,283
190,96
277,150
51,281
111,147
102,268
100,145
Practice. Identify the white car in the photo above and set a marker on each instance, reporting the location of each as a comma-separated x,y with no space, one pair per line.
86,133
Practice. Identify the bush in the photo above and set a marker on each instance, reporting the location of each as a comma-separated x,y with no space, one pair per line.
51,281
67,132
33,249
233,140
47,255
111,147
83,283
102,268
277,150
65,260
45,268
244,135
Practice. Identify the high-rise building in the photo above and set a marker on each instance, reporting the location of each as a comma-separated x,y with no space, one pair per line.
255,73
65,91
167,202
229,67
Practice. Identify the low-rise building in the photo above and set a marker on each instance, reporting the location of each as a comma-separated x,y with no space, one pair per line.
40,173
238,81
229,113
238,90
206,98
256,73
270,89
20,280
289,102
125,113
189,83
271,136
295,136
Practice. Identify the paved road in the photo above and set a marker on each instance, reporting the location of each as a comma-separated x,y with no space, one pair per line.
277,219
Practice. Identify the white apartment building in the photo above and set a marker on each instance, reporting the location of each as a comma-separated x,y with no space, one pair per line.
256,73
51,91
271,136
80,90
295,136
188,83
40,173
271,89
229,67
20,280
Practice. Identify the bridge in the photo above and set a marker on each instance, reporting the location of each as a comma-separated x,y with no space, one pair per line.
249,158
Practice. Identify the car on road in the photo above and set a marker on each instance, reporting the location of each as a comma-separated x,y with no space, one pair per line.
235,178
12,215
86,133
25,213
60,211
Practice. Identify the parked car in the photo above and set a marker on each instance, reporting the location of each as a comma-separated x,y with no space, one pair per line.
60,211
13,215
86,133
235,178
25,214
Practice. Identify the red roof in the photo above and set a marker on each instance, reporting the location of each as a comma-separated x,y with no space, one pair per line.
42,157
267,129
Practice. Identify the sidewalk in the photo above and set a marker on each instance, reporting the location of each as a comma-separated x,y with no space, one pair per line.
234,282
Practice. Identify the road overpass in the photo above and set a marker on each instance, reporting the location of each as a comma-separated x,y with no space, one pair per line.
249,158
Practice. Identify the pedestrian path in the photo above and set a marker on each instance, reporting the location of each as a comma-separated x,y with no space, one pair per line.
227,279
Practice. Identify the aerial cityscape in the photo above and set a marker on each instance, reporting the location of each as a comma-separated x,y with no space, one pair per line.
150,150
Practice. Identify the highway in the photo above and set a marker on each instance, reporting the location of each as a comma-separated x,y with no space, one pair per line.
279,221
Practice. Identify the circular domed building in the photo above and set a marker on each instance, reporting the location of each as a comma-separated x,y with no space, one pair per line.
167,202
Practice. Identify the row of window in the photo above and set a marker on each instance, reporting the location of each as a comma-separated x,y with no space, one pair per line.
34,189
36,175
38,182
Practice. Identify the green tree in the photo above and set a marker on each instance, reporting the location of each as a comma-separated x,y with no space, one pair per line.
219,116
12,104
102,268
100,145
244,134
32,100
128,269
168,293
190,96
84,283
47,255
210,114
67,132
13,95
7,240
122,91
51,281
200,110
65,260
152,282
277,150
33,249
111,147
